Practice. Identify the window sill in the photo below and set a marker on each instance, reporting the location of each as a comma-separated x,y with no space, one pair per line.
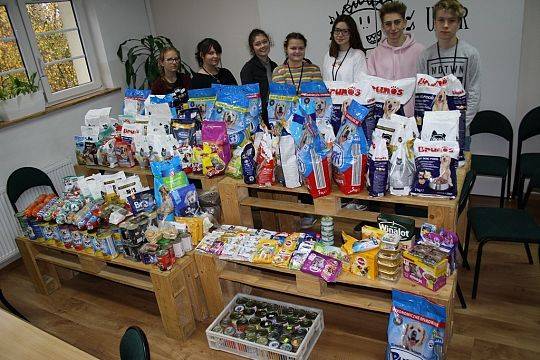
59,106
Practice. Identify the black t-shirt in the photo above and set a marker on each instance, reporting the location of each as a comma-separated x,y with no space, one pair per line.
204,81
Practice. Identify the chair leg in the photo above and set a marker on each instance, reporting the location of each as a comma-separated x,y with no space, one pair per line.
521,186
466,249
462,252
477,268
461,297
11,308
503,183
528,251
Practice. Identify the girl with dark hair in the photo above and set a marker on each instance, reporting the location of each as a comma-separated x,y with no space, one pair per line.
296,67
259,68
171,79
208,56
346,58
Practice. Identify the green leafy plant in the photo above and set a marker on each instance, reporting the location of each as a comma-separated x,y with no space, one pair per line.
144,52
14,86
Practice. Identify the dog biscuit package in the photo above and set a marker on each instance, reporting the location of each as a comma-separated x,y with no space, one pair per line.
378,167
134,101
231,106
124,153
349,155
281,103
436,168
316,93
441,126
446,93
253,116
203,100
390,96
416,328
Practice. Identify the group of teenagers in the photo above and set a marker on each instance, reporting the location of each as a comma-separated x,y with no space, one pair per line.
397,56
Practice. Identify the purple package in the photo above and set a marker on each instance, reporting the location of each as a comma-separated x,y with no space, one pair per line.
325,267
216,132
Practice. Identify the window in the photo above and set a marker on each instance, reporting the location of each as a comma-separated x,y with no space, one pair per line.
52,39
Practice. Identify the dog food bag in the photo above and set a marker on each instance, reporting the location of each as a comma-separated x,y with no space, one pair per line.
323,266
378,167
249,165
216,132
253,116
402,170
436,168
349,155
289,161
313,162
212,163
446,93
441,126
231,106
416,328
234,167
134,101
124,153
316,93
281,103
168,175
185,200
390,96
203,100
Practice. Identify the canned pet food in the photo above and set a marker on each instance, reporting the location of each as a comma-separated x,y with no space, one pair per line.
390,242
148,253
286,347
327,221
273,344
390,261
164,260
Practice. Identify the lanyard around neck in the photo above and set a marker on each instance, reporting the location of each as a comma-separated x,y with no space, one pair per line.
453,68
334,76
292,78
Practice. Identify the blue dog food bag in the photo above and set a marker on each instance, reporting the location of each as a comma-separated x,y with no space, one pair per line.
253,116
232,107
134,101
281,103
185,201
316,93
416,328
202,99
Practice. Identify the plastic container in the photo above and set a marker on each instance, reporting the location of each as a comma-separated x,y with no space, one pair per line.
251,350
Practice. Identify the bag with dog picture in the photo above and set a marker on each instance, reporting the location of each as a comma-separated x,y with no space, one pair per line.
390,96
281,103
231,106
316,93
416,328
441,126
253,116
444,94
436,168
202,99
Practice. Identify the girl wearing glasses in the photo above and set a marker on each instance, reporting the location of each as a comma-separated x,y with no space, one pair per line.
208,56
259,68
346,59
171,78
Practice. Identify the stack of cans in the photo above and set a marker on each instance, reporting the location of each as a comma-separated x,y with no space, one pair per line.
327,230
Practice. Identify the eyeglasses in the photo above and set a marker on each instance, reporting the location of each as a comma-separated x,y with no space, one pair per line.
172,60
343,32
397,23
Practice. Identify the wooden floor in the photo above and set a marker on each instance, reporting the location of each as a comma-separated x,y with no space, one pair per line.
503,323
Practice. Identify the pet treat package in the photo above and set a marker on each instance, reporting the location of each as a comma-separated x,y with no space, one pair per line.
313,162
253,116
184,129
446,93
390,96
249,165
436,168
323,266
281,103
398,225
349,155
106,155
289,161
202,99
441,126
215,132
168,176
316,93
378,167
212,163
185,200
231,106
265,161
234,167
134,101
416,328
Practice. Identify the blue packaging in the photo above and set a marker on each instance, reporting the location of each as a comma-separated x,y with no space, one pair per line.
134,101
142,202
378,161
168,175
253,116
185,201
231,106
202,99
281,103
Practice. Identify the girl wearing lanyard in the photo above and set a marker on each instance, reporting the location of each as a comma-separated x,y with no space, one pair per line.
296,69
346,59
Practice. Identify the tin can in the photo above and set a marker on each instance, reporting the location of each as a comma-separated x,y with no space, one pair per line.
241,324
178,249
148,253
229,331
108,247
249,313
217,329
164,260
273,344
327,220
152,219
186,242
286,347
131,252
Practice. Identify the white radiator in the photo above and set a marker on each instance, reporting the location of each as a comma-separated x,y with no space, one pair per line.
9,226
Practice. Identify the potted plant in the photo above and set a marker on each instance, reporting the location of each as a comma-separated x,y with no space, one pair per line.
145,52
20,98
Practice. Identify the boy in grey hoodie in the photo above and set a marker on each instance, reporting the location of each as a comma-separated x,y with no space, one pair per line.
451,55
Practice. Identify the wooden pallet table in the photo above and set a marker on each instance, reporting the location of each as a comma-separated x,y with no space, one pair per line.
147,179
350,290
178,291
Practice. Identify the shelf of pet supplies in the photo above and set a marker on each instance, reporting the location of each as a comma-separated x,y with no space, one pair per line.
177,291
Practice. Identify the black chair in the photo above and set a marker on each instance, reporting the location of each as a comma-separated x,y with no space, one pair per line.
526,163
505,225
493,122
134,345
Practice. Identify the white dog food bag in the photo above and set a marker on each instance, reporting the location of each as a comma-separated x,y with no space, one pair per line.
436,168
441,126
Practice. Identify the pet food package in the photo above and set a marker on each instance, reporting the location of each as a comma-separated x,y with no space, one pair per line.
398,225
426,265
444,94
349,155
402,170
378,167
323,266
168,175
134,101
289,161
203,100
316,93
281,103
98,117
185,200
390,96
130,131
416,328
436,168
265,251
142,201
231,106
106,154
124,153
313,162
234,167
441,126
212,163
265,161
253,116
215,132
364,263
165,105
127,186
249,165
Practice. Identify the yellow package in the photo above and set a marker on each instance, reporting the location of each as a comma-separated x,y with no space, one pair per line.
265,251
351,245
372,232
282,258
365,263
289,244
195,227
